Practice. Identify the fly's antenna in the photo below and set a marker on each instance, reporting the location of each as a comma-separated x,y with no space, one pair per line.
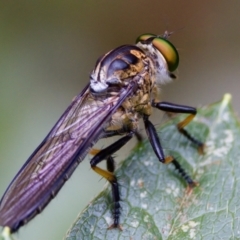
167,34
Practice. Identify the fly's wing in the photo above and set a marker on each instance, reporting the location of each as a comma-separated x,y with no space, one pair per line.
55,159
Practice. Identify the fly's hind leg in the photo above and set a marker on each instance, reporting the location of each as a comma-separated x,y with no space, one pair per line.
106,154
110,164
137,134
175,108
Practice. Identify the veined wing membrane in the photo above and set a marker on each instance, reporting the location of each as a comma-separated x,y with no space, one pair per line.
53,162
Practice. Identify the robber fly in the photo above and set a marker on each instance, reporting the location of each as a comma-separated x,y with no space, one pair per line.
123,88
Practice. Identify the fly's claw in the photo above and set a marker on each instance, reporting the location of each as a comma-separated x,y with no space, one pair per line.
113,226
190,187
201,148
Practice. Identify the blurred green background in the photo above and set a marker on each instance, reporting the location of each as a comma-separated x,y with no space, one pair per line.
48,49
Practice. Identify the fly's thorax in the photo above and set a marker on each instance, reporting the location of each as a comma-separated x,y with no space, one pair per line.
123,122
139,103
161,72
117,68
127,117
114,71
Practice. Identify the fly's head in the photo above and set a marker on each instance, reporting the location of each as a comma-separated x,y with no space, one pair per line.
163,55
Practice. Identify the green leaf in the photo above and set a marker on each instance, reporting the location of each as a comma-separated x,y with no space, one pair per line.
154,201
5,234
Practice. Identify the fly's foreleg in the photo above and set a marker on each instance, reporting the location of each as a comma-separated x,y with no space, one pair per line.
175,108
106,154
156,145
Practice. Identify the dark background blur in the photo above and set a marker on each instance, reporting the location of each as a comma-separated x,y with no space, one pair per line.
48,50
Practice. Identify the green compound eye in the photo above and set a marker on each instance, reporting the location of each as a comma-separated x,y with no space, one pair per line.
145,36
166,48
168,51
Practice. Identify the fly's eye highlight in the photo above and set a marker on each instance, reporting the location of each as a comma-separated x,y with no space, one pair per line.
144,37
168,51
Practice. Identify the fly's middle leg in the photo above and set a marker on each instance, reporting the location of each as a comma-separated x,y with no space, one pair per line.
106,154
155,141
156,145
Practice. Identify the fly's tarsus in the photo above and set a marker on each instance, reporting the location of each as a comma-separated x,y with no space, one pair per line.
183,173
